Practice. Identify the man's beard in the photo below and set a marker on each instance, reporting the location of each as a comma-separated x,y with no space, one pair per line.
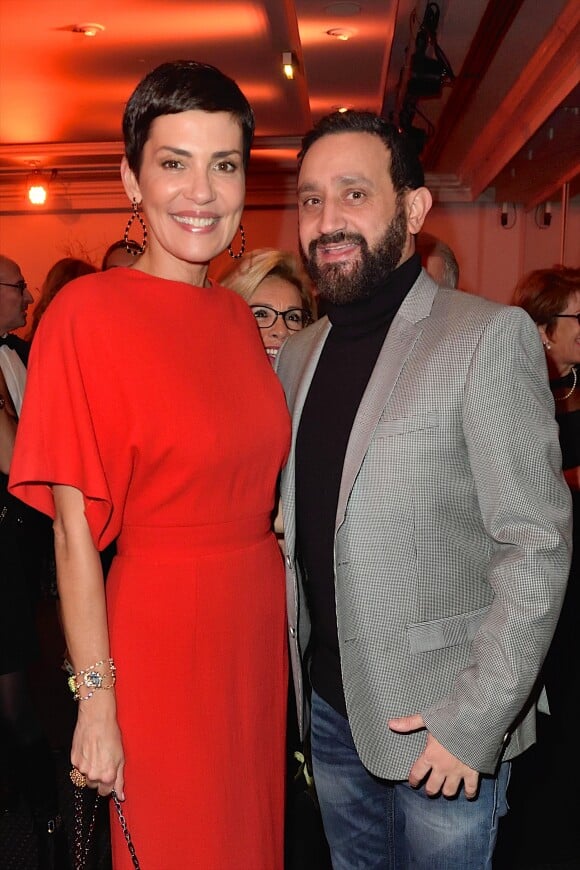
341,283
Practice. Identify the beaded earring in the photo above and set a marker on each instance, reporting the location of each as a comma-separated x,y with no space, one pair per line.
137,248
242,249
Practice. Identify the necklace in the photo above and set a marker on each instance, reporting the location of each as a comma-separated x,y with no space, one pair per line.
572,388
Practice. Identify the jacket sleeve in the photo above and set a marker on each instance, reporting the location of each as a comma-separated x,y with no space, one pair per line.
514,454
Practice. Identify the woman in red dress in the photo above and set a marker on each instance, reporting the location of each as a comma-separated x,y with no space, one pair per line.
144,422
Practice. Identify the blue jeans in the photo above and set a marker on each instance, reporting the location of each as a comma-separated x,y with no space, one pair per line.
375,823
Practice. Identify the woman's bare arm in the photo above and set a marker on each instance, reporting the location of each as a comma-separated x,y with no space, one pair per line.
97,749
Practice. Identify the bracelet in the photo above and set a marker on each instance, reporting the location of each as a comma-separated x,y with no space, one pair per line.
92,679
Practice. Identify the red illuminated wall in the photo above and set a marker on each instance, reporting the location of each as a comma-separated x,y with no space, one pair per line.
491,258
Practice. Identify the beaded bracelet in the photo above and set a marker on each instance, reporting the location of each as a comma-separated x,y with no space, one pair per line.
92,679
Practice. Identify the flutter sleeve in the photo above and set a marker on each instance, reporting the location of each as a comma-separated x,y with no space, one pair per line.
65,430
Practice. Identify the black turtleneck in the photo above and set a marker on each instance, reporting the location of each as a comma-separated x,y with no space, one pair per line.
346,363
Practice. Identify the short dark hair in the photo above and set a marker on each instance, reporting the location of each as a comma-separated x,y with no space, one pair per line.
406,169
180,86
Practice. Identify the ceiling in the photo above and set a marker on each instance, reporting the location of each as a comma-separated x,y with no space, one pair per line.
506,129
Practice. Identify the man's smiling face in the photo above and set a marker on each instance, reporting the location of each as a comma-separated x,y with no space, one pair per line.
353,225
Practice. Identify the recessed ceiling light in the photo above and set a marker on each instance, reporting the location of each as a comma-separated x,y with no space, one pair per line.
343,8
89,29
342,33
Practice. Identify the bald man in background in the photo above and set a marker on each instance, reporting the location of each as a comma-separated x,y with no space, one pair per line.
15,298
438,260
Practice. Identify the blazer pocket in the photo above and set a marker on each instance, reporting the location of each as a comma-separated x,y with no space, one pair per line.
446,632
387,428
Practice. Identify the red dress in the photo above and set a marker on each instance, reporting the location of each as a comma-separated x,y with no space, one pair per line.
157,401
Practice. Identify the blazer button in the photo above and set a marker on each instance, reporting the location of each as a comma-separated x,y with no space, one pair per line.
289,561
292,631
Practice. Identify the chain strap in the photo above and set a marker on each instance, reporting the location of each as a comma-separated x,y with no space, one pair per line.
81,852
126,833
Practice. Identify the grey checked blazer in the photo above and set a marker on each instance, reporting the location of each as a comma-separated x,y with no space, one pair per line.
452,537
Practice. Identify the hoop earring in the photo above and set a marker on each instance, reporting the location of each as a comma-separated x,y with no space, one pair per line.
133,247
242,249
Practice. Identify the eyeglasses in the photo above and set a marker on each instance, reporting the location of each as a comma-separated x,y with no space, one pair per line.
20,285
575,316
294,318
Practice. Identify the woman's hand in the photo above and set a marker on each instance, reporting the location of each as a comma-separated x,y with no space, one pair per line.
97,749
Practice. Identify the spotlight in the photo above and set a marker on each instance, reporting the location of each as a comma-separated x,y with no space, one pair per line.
37,193
507,222
37,187
547,214
288,64
427,77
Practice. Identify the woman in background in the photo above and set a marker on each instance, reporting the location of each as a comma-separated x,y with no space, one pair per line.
279,293
542,825
142,421
61,273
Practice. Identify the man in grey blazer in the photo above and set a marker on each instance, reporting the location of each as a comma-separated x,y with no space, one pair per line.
426,520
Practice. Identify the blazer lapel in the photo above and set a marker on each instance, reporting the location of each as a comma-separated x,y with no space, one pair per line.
397,347
297,386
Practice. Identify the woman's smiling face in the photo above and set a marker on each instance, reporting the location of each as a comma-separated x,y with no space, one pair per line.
191,186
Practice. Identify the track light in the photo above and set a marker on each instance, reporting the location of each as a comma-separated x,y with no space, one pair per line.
422,78
288,64
547,220
504,217
427,77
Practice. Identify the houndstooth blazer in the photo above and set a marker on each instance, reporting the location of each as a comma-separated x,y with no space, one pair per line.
452,537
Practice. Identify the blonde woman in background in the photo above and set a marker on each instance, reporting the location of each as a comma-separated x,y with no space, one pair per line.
279,293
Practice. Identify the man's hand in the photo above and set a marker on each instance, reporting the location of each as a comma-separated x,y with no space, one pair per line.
436,768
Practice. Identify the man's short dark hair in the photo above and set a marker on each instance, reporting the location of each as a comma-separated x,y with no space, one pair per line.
406,169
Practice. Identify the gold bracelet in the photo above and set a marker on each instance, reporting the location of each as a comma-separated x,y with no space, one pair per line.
92,679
